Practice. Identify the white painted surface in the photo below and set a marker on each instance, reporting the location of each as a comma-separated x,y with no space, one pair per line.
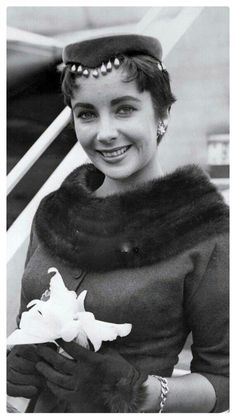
38,148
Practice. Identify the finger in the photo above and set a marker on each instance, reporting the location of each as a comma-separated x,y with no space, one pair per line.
77,351
62,380
21,391
58,361
27,352
58,391
24,352
23,366
15,377
47,345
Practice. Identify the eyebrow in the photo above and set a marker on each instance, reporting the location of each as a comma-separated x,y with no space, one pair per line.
123,98
83,105
113,102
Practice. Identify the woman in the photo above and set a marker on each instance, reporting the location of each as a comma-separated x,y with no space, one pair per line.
151,249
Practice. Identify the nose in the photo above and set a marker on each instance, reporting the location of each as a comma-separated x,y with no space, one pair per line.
107,131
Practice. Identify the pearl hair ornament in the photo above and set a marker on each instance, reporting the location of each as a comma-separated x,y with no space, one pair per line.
161,66
80,69
105,68
109,66
116,63
95,73
85,72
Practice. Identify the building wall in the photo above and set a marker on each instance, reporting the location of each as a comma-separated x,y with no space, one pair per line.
199,70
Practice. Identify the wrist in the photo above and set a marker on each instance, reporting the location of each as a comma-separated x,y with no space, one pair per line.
153,395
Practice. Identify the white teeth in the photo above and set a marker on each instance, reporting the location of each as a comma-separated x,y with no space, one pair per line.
114,153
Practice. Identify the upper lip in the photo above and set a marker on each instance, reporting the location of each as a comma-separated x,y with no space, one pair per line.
110,150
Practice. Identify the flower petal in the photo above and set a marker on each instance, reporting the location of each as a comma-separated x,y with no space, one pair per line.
19,337
80,300
60,295
82,339
70,330
121,329
98,331
33,302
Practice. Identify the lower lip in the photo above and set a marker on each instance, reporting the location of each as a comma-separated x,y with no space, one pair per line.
115,159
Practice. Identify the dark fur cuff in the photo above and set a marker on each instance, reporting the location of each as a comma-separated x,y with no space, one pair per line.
125,397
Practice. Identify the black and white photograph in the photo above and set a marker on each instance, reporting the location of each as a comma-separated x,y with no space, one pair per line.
118,179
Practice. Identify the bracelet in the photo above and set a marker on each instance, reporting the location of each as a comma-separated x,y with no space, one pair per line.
164,391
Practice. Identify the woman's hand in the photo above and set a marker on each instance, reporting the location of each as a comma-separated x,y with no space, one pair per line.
91,381
23,380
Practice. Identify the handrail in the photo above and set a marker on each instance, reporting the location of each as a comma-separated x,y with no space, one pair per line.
19,232
22,225
148,19
179,26
38,148
19,35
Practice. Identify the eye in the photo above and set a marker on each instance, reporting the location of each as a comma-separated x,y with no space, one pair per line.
86,115
125,110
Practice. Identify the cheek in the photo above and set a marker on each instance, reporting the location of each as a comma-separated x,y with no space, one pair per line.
83,136
146,126
145,135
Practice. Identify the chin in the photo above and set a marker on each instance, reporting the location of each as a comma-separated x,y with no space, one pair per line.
118,173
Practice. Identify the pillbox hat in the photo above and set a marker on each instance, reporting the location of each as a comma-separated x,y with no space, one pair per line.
94,52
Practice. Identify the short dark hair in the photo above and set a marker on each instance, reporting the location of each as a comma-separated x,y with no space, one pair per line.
144,70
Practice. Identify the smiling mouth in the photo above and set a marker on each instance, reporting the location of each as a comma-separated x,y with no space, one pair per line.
115,152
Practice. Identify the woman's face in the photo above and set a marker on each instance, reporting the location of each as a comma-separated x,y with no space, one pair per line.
115,124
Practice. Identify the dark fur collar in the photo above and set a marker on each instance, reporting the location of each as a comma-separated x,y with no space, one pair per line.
140,227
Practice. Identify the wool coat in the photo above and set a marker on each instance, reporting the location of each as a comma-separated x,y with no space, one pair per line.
155,256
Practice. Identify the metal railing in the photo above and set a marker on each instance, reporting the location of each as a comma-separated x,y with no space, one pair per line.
38,148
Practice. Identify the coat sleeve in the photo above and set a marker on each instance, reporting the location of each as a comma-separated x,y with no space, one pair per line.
33,243
207,312
24,300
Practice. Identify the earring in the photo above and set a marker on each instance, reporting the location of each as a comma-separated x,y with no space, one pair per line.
161,128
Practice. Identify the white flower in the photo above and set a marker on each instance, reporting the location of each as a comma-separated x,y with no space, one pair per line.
63,316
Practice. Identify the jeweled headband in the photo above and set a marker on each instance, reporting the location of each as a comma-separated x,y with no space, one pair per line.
102,54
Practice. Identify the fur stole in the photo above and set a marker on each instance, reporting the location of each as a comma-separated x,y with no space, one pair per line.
155,221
